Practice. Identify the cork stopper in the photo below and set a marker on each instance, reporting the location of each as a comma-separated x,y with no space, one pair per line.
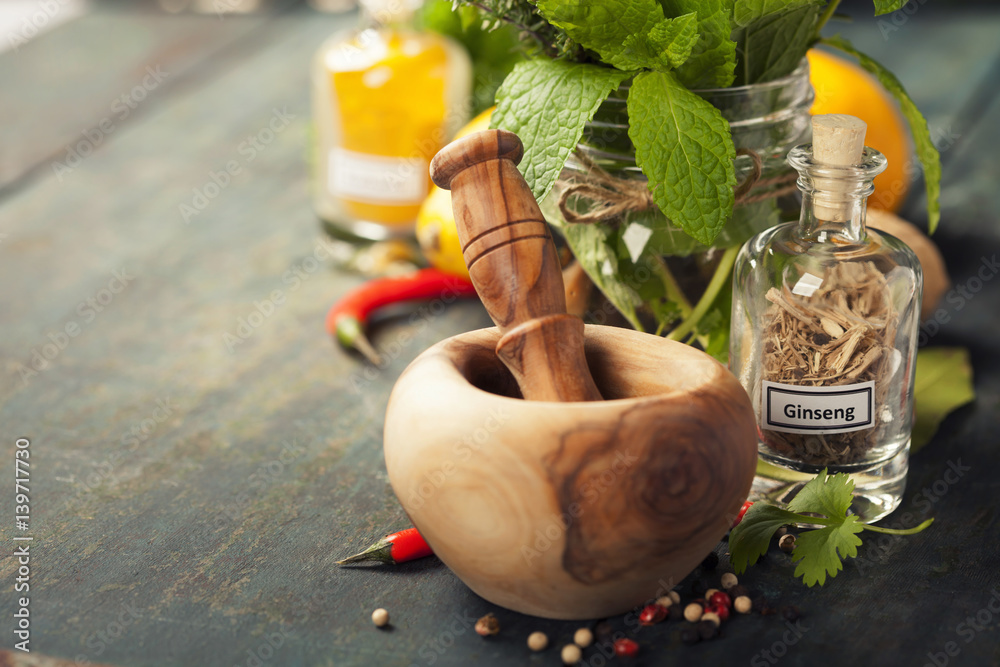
838,141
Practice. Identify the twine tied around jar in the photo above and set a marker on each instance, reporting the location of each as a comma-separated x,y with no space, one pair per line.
611,196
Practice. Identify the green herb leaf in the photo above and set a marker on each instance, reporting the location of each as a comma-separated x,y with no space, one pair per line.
594,247
683,146
667,45
819,552
749,540
746,12
773,46
547,103
929,157
602,25
829,495
627,34
943,383
886,6
714,55
823,500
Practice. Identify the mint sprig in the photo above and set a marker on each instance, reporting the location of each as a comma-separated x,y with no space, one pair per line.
547,103
823,501
683,146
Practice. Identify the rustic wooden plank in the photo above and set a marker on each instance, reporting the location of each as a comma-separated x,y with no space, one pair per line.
94,87
209,538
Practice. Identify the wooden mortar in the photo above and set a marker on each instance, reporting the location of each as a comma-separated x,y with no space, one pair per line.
562,509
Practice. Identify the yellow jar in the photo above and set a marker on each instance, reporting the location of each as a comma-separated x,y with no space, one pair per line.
386,98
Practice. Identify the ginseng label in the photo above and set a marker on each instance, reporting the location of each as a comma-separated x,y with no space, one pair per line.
797,409
375,179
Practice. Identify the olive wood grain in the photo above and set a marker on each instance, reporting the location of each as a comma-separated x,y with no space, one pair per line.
571,510
514,265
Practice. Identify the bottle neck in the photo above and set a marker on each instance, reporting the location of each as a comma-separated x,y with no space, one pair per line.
834,198
846,223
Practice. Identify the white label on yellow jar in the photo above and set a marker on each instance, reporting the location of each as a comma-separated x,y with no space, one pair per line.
376,179
797,409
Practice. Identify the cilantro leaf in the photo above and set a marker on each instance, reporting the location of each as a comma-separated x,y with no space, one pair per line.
746,12
684,147
886,6
942,383
547,103
829,495
714,55
749,540
929,157
819,552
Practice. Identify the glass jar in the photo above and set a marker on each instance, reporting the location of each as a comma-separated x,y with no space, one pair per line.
824,339
386,98
766,118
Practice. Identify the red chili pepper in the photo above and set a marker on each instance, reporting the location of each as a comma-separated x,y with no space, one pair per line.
739,517
394,549
347,318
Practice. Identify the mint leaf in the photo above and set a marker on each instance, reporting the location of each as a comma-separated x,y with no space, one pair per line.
714,55
886,6
675,38
943,382
666,45
594,247
602,25
547,103
749,540
830,495
627,34
746,12
929,157
819,552
773,46
683,146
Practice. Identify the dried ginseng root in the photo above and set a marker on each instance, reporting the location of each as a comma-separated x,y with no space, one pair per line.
841,334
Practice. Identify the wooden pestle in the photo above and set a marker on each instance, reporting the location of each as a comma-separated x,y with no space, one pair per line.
513,264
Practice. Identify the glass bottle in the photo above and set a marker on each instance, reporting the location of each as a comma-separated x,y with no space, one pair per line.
386,98
824,331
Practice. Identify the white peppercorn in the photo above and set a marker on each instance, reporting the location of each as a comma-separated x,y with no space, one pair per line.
537,641
380,617
571,654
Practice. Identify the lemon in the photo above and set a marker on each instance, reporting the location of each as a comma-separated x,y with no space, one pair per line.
843,87
436,231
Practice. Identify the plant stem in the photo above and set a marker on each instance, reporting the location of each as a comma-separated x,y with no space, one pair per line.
746,61
898,531
825,16
670,286
719,279
548,48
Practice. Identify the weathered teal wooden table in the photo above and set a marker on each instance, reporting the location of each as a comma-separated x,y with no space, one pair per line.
201,453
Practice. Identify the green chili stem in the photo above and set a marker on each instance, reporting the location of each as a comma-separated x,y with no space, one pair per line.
899,531
719,279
